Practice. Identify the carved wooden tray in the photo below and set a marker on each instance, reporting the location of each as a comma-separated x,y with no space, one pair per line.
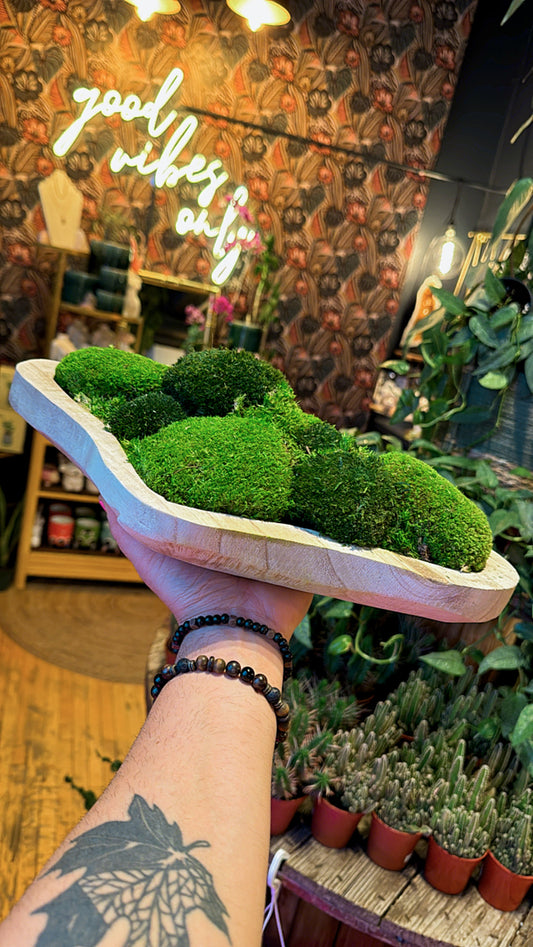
273,552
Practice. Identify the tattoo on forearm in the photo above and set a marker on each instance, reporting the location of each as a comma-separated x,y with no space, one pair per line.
138,869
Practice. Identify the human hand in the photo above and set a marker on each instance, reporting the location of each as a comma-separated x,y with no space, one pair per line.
190,590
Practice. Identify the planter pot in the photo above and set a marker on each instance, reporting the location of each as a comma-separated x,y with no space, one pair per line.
389,847
241,335
508,441
500,887
281,813
446,872
332,826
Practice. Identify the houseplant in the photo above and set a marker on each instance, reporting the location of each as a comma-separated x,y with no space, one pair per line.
507,871
462,825
350,775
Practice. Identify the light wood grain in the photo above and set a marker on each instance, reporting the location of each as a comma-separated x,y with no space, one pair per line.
273,552
53,723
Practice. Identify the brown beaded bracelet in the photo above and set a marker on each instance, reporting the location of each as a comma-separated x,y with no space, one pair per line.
230,669
233,621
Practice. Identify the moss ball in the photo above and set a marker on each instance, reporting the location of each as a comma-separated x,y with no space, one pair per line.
107,372
211,381
344,495
143,416
224,464
308,432
436,522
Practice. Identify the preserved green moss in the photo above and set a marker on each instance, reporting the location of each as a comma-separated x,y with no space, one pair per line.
143,416
108,372
224,464
211,381
435,521
308,432
345,495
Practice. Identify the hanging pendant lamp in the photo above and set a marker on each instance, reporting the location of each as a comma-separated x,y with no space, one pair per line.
147,8
260,12
446,253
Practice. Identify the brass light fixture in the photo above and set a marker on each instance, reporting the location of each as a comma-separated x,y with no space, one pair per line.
260,12
147,8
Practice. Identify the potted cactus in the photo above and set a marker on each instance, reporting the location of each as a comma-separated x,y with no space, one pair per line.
317,707
351,776
398,819
462,824
507,871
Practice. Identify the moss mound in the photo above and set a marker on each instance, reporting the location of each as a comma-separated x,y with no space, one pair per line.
106,373
345,495
435,521
143,416
309,433
224,464
210,382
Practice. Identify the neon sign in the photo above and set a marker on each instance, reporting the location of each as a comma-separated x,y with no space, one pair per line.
165,170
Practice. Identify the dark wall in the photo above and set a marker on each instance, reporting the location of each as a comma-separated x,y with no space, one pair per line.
492,99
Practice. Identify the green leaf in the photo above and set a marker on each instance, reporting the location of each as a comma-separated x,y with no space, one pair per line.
523,729
524,629
453,304
506,658
451,662
485,475
337,609
528,372
303,633
502,520
503,317
511,708
504,356
480,326
495,381
340,645
525,330
400,366
515,4
515,201
494,287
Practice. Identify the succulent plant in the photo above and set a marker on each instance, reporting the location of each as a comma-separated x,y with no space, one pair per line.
364,786
463,814
512,843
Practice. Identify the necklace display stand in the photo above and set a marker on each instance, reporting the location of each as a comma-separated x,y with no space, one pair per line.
62,206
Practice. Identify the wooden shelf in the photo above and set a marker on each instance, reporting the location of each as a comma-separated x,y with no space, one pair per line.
101,314
61,563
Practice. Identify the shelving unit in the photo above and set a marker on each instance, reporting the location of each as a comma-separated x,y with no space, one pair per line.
61,563
48,561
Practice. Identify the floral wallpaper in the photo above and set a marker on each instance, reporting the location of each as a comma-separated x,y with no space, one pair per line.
328,122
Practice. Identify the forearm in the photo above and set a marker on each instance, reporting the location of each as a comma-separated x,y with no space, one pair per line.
203,759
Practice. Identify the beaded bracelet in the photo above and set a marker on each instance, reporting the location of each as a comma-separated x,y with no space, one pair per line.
233,621
231,669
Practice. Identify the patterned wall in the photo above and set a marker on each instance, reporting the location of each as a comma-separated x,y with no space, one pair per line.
341,104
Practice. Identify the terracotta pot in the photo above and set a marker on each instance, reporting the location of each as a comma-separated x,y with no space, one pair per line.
389,847
446,872
500,886
332,826
281,813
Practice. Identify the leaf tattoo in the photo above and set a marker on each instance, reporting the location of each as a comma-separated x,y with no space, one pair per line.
137,869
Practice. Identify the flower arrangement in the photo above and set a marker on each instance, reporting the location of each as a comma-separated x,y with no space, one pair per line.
259,264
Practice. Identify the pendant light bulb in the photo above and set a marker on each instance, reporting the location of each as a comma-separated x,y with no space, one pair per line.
260,13
446,254
147,8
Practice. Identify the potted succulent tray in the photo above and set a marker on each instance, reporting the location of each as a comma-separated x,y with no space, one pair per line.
277,552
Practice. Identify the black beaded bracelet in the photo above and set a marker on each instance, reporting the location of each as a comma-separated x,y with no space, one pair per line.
231,669
233,621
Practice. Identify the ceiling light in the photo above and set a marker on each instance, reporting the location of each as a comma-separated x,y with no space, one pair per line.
147,8
260,12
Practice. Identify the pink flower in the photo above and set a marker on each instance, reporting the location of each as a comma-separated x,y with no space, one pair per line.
193,316
221,306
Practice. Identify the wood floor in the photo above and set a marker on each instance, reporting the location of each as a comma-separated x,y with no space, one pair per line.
53,723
